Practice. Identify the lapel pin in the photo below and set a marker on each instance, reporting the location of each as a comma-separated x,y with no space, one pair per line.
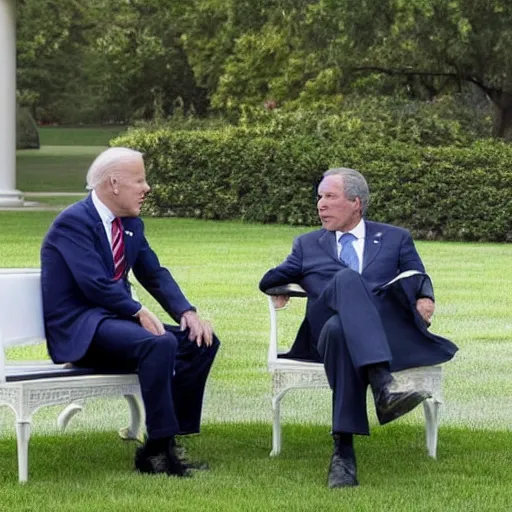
129,233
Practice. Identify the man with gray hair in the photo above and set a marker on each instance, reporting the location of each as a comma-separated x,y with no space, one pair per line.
369,306
93,321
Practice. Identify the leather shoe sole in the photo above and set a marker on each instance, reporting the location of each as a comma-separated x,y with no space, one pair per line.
393,405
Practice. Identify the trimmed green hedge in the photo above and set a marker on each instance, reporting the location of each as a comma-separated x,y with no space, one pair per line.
449,193
27,134
444,193
230,174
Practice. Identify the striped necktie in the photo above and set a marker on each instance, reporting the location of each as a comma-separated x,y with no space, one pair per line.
118,248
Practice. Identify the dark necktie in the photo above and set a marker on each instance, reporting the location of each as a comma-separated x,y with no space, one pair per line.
348,253
118,248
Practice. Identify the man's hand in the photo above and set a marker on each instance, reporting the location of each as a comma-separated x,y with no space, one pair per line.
280,301
150,321
426,308
200,331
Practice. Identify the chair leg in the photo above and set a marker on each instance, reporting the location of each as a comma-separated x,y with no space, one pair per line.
431,410
22,437
133,431
66,415
276,426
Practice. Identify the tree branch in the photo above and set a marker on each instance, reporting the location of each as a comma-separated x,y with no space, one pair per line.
414,72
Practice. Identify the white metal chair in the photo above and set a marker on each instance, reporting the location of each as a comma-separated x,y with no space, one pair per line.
26,386
288,374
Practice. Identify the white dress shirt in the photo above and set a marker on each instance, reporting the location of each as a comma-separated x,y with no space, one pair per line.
359,232
105,214
107,217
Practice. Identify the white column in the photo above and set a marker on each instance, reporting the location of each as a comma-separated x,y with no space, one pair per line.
9,196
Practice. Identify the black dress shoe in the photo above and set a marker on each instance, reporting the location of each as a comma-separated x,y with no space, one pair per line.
181,453
342,472
164,461
390,405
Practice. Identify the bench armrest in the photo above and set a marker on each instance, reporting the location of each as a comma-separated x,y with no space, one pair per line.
292,290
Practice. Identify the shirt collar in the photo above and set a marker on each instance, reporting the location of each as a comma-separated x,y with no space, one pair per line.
359,231
105,214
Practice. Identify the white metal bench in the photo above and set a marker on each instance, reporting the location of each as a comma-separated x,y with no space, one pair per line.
26,386
288,374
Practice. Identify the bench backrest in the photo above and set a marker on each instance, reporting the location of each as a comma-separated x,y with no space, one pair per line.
21,309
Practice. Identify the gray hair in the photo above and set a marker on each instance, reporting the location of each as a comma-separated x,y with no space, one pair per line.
108,163
354,185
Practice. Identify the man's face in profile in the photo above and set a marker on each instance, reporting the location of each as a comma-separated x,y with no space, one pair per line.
131,188
336,212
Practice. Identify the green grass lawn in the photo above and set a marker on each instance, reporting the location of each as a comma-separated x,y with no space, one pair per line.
62,162
218,265
89,472
60,201
54,168
78,135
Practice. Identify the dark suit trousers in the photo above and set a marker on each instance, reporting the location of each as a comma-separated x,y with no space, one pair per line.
172,371
351,338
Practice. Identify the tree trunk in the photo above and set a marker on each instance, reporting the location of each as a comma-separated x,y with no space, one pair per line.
502,122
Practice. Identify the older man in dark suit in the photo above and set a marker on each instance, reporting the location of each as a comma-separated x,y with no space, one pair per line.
92,320
369,306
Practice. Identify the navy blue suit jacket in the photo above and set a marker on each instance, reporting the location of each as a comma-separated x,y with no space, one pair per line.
388,251
77,270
